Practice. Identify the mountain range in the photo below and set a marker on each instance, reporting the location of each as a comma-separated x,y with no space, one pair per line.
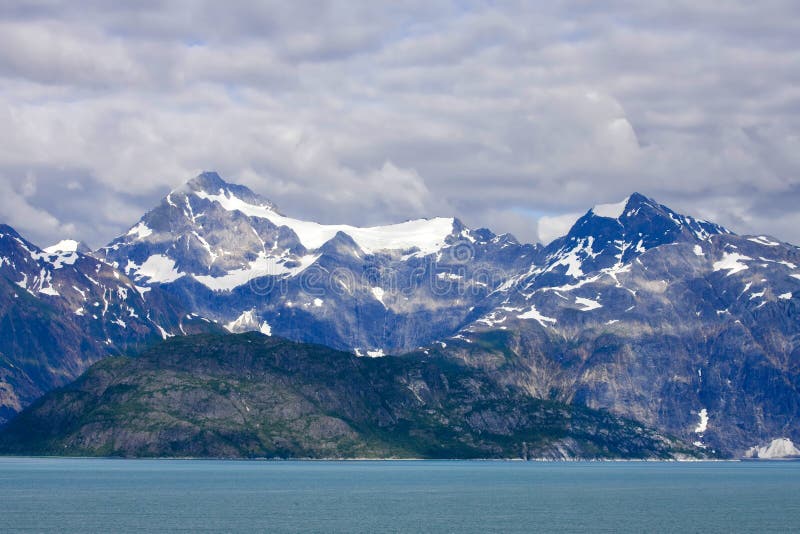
651,315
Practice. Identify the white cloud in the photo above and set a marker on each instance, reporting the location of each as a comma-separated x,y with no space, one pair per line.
551,227
24,217
370,112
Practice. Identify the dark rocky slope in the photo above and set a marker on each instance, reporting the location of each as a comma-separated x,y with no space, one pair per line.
249,395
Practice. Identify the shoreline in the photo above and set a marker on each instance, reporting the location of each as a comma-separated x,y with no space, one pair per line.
382,460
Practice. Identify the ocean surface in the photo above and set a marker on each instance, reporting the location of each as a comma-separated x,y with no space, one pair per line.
96,495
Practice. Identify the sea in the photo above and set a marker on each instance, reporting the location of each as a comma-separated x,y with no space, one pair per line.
51,495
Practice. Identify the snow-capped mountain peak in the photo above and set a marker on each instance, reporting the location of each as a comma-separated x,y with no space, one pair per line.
224,235
68,245
427,235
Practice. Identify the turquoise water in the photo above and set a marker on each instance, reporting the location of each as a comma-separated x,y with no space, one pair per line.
89,495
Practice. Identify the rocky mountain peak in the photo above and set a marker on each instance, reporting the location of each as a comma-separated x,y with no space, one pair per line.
209,186
7,231
208,181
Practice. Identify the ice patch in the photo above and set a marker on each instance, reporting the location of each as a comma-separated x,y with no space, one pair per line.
612,211
698,250
376,353
318,303
785,296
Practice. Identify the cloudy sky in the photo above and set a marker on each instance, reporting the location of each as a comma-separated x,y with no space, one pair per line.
516,116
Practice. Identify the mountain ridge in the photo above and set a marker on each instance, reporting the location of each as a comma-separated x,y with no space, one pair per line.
638,310
250,395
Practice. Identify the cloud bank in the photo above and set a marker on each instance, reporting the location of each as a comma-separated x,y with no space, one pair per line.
511,116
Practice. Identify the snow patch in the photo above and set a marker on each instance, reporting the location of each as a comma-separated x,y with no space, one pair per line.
140,231
778,448
157,269
65,245
611,211
246,322
428,235
378,293
698,250
588,304
785,296
376,353
59,260
164,333
763,240
731,262
702,426
263,265
533,313
265,328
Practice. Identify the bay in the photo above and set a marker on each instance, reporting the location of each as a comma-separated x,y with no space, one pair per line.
114,495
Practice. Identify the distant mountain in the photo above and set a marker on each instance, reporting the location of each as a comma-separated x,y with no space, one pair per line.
255,396
62,310
653,315
656,316
234,258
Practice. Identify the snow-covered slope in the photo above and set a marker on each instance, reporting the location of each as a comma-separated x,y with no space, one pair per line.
232,254
223,236
426,236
